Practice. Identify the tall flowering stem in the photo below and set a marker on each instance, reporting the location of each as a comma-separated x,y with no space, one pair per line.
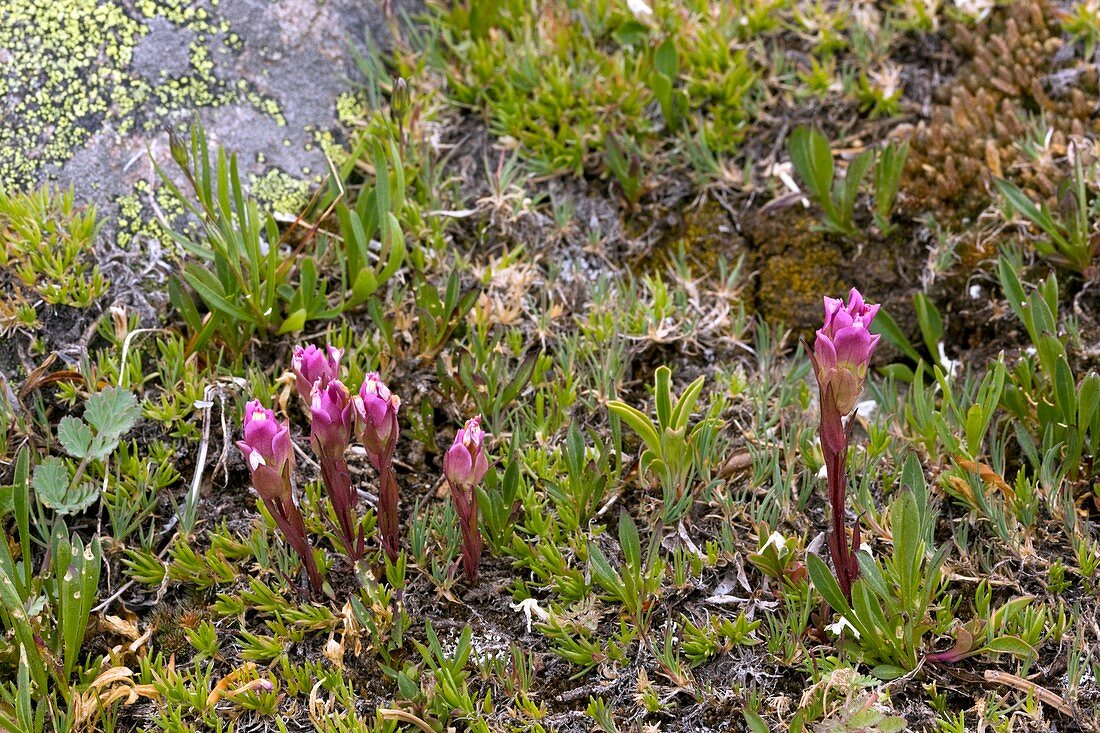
332,423
464,465
376,418
841,355
268,451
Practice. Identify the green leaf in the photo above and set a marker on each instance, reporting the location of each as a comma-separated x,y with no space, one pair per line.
890,165
293,322
1014,292
211,292
1065,391
813,160
826,585
113,413
638,422
885,325
662,394
666,60
754,722
602,571
1038,215
975,426
364,286
51,486
1013,645
887,672
931,325
853,178
1088,400
912,478
686,403
629,542
75,436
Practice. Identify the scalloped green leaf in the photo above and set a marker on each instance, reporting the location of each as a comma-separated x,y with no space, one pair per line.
75,436
113,412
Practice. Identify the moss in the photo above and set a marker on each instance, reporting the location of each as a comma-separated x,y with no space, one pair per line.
983,120
795,265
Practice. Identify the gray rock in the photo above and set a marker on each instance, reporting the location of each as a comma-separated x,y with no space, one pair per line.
88,87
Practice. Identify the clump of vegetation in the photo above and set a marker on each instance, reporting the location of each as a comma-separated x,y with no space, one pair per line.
47,247
1010,112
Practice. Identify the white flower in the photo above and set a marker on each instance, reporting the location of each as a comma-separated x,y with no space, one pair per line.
530,608
639,8
776,539
838,628
949,365
975,9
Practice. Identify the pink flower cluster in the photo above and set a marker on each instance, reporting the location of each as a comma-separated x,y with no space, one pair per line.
336,416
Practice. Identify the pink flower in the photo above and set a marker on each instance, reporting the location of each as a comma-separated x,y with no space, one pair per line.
268,452
314,368
333,419
464,465
376,409
843,349
465,462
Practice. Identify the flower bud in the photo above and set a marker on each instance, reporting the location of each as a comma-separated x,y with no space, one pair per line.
843,349
333,419
465,462
376,409
400,98
178,148
268,452
313,367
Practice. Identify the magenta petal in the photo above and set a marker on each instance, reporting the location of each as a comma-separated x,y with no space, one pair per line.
853,345
376,410
481,466
875,338
824,352
260,434
843,319
457,464
282,448
246,451
869,314
855,302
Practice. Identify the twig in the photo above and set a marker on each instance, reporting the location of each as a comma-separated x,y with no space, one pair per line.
1041,693
405,717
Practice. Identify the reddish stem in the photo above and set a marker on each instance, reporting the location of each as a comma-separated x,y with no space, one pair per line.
388,512
337,480
289,521
834,447
465,499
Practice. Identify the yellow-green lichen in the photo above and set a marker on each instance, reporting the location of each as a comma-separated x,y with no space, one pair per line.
351,108
67,72
280,192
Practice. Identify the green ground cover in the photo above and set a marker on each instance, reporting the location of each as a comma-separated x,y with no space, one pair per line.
602,228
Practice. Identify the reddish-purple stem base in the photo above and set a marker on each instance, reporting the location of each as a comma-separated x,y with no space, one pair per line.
834,447
289,521
388,512
337,480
